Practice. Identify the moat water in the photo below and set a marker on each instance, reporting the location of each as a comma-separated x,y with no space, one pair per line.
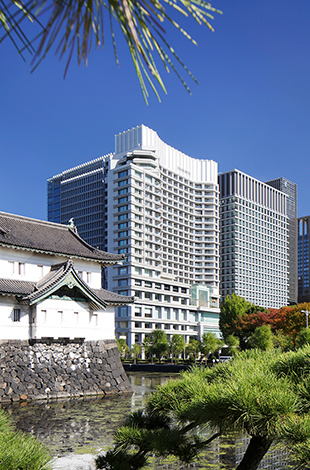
76,431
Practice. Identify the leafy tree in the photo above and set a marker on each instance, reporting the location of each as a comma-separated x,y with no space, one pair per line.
233,344
76,24
285,323
156,344
246,324
135,352
294,320
262,338
210,343
177,345
282,342
123,348
263,393
232,307
192,348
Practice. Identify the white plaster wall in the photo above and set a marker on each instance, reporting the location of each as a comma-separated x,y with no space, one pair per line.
67,318
8,328
38,265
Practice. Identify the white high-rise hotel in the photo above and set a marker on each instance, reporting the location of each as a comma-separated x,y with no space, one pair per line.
161,208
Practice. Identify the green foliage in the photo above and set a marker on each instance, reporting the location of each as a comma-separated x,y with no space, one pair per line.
76,24
231,307
262,338
233,344
156,344
210,343
303,337
135,352
177,345
192,349
282,342
265,393
122,347
19,451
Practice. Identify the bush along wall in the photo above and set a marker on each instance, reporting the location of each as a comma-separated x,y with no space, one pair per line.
60,369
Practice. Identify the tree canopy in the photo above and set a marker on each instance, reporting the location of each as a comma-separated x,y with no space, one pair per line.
156,344
76,24
264,394
232,308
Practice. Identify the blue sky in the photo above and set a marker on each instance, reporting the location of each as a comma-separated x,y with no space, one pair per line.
251,110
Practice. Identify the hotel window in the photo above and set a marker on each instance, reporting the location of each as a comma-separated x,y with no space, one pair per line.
138,311
148,312
122,311
16,314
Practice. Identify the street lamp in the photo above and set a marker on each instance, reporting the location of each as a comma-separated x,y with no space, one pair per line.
307,314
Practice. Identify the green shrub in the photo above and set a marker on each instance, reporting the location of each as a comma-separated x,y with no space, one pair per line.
19,451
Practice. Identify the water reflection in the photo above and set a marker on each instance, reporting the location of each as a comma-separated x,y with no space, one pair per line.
78,425
87,427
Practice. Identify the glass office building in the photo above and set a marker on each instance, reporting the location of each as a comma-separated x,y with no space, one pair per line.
253,240
303,259
290,189
161,208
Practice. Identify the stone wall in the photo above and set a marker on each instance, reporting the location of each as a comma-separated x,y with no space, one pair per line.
54,370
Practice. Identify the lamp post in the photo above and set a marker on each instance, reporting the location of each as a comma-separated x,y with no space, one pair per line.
307,315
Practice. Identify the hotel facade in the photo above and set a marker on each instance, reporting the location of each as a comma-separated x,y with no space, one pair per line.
160,208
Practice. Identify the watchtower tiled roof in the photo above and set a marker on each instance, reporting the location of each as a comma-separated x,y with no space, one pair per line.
32,292
50,238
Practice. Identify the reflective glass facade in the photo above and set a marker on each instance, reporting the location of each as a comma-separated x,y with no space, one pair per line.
290,189
303,259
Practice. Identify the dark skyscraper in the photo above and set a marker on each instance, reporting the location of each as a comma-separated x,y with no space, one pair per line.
303,259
